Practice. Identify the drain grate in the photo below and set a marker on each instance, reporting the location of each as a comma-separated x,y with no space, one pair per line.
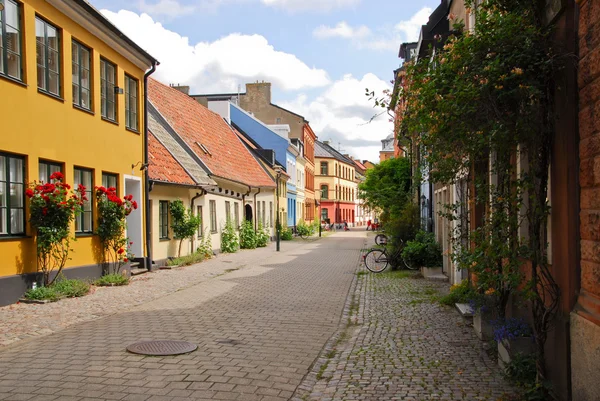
162,347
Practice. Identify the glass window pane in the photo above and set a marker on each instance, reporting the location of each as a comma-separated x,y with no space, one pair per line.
16,170
12,14
53,83
14,65
3,226
110,110
75,73
53,60
3,195
39,29
85,58
75,52
52,35
43,172
87,221
85,79
13,40
2,168
76,99
85,98
17,225
16,195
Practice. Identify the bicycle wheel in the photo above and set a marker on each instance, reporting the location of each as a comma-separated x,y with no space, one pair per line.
381,239
376,260
408,265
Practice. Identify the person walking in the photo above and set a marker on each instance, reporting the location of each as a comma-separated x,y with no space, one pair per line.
369,225
346,226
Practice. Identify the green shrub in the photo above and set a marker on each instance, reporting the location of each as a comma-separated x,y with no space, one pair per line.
112,279
187,260
229,239
43,293
304,230
71,288
205,246
459,294
262,236
286,234
247,236
405,224
424,251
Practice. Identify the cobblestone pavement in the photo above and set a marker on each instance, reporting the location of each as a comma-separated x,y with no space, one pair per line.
259,327
398,343
22,321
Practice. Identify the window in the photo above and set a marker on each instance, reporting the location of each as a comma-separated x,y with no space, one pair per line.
163,219
324,168
264,221
83,221
324,192
278,120
213,216
227,211
324,214
110,181
48,56
258,212
10,40
200,228
131,103
270,214
108,80
12,195
81,75
236,213
47,169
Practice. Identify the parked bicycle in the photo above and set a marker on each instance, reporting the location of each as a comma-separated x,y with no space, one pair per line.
381,239
378,259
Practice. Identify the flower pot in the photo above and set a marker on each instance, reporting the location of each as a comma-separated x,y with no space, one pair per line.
507,349
482,323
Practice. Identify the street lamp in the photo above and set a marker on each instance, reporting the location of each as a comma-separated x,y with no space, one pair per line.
278,170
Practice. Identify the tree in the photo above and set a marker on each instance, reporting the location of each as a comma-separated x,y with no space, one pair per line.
184,224
387,185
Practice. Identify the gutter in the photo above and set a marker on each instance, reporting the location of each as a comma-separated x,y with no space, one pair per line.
148,218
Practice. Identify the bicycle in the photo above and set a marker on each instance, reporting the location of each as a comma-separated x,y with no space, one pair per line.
381,239
377,260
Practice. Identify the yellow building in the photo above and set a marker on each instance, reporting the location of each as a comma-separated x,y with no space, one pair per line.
72,100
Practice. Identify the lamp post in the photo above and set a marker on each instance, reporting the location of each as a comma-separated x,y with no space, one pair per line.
277,222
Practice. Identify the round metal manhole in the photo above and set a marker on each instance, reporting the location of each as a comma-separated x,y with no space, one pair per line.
162,347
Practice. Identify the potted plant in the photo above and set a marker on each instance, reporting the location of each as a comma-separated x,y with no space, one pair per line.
486,312
514,336
423,251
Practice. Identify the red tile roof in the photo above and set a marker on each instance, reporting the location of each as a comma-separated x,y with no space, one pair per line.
162,166
227,157
360,165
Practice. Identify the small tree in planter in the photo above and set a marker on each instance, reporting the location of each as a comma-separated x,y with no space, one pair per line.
53,207
184,224
113,212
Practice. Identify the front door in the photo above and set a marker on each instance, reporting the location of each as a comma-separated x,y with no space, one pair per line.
135,230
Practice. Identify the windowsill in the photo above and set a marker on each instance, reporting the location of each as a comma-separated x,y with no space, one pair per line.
52,95
14,237
83,235
214,232
13,80
75,106
164,239
108,120
133,130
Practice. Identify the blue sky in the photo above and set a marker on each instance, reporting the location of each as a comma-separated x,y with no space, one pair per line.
319,54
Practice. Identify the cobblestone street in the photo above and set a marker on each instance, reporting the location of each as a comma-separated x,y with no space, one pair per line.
300,324
397,343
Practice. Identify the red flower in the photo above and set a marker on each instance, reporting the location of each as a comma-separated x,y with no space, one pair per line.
48,188
80,188
46,198
131,243
45,211
125,260
120,251
29,192
112,189
134,204
57,176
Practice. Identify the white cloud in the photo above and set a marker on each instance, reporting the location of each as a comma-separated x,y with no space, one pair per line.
342,113
387,38
220,65
342,30
310,5
167,8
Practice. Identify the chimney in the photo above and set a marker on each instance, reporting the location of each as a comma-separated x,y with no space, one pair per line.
182,88
259,92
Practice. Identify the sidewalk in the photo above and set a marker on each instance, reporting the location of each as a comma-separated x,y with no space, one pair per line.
22,321
398,343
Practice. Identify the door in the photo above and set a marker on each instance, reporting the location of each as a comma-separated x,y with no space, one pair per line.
135,229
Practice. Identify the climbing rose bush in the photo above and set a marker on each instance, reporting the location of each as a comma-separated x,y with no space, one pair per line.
53,207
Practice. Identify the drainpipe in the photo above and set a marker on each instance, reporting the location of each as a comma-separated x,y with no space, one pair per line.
198,195
256,212
148,218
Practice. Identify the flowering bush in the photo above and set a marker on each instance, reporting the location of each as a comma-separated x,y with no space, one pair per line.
112,214
248,239
262,236
52,209
510,329
229,239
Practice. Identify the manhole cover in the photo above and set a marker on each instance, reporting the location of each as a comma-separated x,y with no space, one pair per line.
162,347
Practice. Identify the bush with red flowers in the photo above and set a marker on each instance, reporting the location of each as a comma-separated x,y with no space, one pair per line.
53,207
112,215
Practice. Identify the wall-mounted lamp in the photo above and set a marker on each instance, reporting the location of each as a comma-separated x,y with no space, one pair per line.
143,167
118,91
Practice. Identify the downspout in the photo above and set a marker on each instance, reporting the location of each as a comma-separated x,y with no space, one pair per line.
198,195
256,212
148,218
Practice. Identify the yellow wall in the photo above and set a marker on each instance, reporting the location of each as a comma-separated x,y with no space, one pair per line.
332,180
41,127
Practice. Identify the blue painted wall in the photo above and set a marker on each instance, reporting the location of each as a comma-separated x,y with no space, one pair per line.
291,209
262,135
